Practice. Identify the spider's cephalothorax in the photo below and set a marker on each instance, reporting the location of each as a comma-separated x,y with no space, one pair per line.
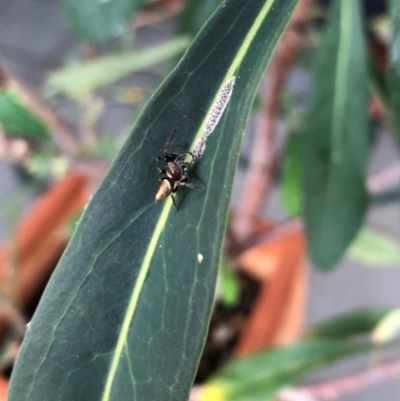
175,171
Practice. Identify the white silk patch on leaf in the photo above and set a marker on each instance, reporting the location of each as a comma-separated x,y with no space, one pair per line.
214,117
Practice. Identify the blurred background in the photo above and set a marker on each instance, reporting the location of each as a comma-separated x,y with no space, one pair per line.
69,97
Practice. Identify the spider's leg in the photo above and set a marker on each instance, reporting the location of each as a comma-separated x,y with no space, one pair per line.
181,162
171,157
174,201
184,145
170,138
186,184
172,134
182,157
160,170
183,165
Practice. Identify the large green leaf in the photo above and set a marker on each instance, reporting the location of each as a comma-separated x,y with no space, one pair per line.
394,75
125,315
195,14
260,376
335,138
100,20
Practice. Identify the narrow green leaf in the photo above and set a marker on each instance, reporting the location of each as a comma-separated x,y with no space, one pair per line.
125,315
18,120
292,195
394,74
100,20
388,327
374,249
357,322
79,79
335,138
260,376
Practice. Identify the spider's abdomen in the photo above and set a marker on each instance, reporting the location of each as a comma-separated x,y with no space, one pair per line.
164,190
174,171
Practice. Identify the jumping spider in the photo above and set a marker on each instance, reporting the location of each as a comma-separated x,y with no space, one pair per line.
175,171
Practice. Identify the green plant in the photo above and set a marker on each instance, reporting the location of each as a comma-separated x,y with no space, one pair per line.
128,305
126,312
